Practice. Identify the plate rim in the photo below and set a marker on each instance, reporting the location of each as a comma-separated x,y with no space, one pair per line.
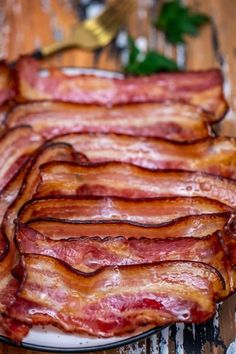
117,344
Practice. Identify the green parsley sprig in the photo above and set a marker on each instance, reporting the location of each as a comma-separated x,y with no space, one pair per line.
147,63
177,20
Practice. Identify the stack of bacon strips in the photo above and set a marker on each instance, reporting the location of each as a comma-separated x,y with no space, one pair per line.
117,201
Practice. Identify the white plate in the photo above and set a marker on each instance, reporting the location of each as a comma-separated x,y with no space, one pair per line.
48,338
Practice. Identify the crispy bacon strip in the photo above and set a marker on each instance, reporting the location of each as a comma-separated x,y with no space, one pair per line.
46,153
189,226
3,112
212,155
16,146
91,253
16,330
149,211
51,152
7,87
7,196
175,121
125,180
230,239
115,300
200,88
8,285
4,109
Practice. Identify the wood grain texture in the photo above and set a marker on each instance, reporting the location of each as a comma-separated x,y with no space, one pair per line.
26,25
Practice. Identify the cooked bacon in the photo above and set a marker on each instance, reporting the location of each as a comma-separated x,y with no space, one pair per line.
230,239
125,180
8,285
16,146
8,290
31,177
189,226
7,86
146,211
50,152
201,88
7,196
175,121
15,330
3,246
3,113
213,155
115,300
4,109
88,254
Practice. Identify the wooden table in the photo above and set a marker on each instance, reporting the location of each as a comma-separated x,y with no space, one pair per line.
25,25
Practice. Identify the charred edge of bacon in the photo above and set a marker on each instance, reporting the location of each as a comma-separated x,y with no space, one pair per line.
215,240
224,215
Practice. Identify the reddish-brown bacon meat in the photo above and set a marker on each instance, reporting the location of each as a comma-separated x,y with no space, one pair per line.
115,300
175,121
145,211
200,88
91,253
8,285
7,196
7,85
50,152
16,330
212,155
16,146
188,226
230,240
125,180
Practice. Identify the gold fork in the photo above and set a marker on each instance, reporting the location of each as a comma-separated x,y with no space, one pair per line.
93,33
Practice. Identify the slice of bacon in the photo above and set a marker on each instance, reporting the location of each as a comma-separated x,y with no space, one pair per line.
7,85
212,155
189,226
145,211
88,254
201,88
7,196
15,330
16,146
48,152
115,300
175,121
125,180
230,239
3,113
4,109
8,285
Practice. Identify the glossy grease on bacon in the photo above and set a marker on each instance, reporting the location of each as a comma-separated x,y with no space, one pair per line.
111,301
125,180
16,147
201,88
175,121
88,254
145,211
187,226
7,84
212,155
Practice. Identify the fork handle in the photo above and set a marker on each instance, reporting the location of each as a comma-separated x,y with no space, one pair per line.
52,48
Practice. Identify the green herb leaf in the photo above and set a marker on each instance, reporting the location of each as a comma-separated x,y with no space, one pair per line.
147,63
177,20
